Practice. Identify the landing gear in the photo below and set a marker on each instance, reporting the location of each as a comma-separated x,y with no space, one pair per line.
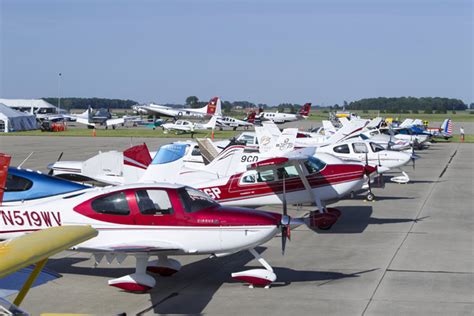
164,266
370,197
257,277
321,218
138,281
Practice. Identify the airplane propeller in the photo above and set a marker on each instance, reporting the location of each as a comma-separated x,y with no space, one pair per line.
285,221
50,173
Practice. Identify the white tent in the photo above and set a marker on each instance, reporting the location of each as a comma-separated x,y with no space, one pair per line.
13,121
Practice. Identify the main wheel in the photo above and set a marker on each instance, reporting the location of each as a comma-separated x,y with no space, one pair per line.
370,196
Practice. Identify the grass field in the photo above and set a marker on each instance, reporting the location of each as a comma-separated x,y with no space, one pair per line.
124,132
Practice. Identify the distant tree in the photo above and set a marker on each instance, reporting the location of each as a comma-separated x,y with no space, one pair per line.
336,107
281,108
428,111
414,111
345,104
192,101
408,103
292,109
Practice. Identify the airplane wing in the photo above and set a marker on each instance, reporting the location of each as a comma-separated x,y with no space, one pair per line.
145,246
29,249
291,158
84,121
117,121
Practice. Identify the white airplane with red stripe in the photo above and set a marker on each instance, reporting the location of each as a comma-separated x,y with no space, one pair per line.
153,221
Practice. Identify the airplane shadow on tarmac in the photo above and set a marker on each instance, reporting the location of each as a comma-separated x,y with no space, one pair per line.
191,289
355,219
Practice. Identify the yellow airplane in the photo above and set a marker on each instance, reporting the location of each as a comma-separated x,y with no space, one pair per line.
36,248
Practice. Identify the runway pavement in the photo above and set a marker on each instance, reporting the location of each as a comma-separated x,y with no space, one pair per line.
410,252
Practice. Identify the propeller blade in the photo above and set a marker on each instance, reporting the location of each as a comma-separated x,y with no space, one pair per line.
283,240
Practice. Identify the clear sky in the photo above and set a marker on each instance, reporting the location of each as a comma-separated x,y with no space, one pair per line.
265,51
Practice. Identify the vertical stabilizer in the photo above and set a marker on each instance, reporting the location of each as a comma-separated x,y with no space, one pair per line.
4,163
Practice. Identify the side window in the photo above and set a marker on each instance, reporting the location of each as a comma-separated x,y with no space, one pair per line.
196,151
287,172
115,203
249,177
376,147
342,149
359,148
266,176
154,202
17,184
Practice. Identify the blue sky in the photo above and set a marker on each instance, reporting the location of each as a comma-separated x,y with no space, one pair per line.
262,51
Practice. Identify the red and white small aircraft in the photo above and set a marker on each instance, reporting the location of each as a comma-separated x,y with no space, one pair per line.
212,108
153,220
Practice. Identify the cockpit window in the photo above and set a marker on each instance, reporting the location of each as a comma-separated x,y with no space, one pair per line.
266,176
342,149
314,165
17,184
376,147
169,153
154,202
115,203
247,139
287,172
195,200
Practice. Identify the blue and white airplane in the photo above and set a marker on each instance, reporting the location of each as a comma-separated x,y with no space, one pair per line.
24,185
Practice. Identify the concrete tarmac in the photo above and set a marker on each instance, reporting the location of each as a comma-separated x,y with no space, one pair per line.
410,252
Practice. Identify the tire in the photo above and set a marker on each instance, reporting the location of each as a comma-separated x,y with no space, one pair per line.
370,197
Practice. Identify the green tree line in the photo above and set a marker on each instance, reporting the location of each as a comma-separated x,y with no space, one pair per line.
403,104
96,103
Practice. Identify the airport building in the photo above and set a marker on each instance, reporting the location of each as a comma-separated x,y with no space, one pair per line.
39,107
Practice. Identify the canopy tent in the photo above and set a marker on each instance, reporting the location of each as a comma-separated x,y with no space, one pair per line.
13,121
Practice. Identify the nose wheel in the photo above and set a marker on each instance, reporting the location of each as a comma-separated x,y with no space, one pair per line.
370,197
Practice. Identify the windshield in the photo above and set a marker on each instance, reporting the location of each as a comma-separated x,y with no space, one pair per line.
314,165
194,200
169,153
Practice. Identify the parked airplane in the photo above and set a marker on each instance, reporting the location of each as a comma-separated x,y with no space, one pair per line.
183,126
373,154
280,118
226,121
212,108
101,117
115,168
155,220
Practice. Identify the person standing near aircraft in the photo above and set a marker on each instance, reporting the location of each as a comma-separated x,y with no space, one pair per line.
461,130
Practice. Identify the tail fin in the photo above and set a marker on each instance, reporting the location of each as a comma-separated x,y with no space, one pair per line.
214,106
447,127
266,140
329,128
305,110
137,156
251,117
227,161
212,123
4,163
286,140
